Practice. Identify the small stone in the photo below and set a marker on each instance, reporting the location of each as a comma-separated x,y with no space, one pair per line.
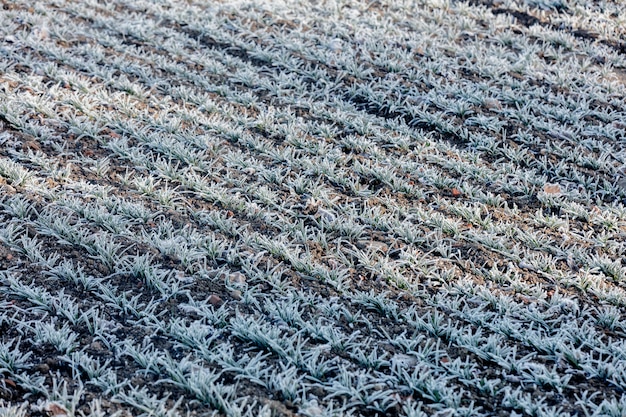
404,361
237,278
137,381
180,276
552,189
214,273
32,145
378,246
215,300
236,294
55,409
616,124
326,215
492,104
43,368
96,346
526,265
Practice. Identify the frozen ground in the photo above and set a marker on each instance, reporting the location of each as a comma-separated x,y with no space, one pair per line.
312,208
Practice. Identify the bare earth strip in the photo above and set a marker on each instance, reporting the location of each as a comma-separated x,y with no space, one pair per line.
312,208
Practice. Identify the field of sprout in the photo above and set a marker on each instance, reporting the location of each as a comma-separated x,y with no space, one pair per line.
312,208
